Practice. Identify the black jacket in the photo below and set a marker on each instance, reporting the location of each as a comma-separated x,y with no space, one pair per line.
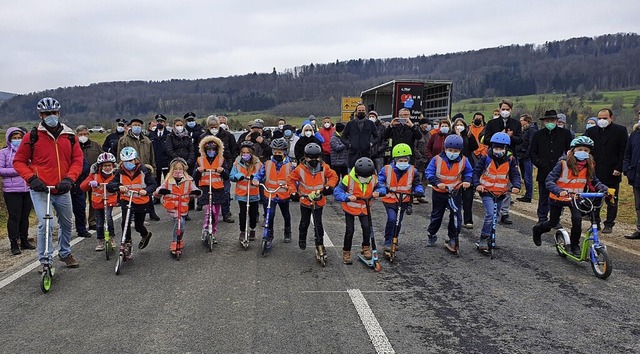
522,150
195,134
180,147
230,151
608,151
359,140
547,146
262,150
630,164
298,148
111,143
402,134
497,125
159,148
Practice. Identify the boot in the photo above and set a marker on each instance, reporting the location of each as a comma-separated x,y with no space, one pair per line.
252,235
15,250
302,243
287,235
228,219
26,245
346,257
366,252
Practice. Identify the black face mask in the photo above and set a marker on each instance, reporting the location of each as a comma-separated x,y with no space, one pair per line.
477,121
361,115
159,126
278,158
313,163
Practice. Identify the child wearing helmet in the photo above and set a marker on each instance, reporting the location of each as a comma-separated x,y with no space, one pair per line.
572,174
397,177
133,175
176,192
244,168
273,174
312,180
447,171
359,184
211,171
100,173
491,177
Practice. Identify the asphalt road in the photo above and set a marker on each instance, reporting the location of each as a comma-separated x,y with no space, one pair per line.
527,300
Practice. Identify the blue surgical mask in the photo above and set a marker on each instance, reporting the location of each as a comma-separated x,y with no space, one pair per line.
402,166
136,130
16,142
288,133
498,153
591,125
444,130
51,120
129,165
120,129
211,153
581,155
191,124
452,155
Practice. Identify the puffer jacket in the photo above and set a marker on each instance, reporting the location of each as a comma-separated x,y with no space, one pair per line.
53,158
339,151
181,146
11,180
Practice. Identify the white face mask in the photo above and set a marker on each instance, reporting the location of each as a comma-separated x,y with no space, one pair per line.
496,117
280,126
436,126
214,131
505,114
179,129
83,139
224,126
444,130
308,133
460,128
327,125
603,123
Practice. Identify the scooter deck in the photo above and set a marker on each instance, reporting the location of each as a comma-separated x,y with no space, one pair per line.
368,262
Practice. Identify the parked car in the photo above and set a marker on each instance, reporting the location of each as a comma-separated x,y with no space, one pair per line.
97,129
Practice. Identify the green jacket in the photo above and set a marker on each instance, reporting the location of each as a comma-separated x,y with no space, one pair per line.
143,146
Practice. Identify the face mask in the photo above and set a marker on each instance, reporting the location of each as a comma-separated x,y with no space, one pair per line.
505,114
178,174
550,126
327,125
120,129
129,165
136,130
560,125
313,122
213,131
496,117
436,126
153,129
360,115
191,124
107,172
51,121
452,155
444,130
288,133
498,153
83,139
179,129
402,166
278,158
246,157
224,126
308,133
603,123
16,142
460,128
160,126
280,126
211,153
477,121
590,125
313,163
373,119
364,180
581,155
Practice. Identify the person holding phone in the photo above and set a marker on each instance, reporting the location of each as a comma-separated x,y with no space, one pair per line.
402,130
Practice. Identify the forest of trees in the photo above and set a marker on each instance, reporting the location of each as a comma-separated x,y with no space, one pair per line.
608,62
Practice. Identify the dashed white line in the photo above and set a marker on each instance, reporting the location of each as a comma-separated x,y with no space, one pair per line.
376,334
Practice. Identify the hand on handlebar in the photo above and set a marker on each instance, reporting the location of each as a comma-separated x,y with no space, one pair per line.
255,182
515,190
352,198
375,194
563,194
466,185
480,189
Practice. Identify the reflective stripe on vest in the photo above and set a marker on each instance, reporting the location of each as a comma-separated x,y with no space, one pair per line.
359,207
135,184
569,182
241,187
212,178
451,177
495,179
179,197
400,186
310,182
97,195
275,178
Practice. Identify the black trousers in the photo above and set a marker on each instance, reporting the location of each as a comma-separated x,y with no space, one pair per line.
612,210
348,233
138,212
555,210
253,214
19,207
305,221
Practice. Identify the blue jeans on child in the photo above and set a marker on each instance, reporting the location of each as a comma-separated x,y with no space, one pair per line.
100,222
175,228
440,202
392,214
487,202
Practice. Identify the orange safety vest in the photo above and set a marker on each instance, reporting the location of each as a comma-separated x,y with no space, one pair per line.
97,193
311,182
241,186
273,178
451,177
482,148
495,178
569,182
354,188
211,178
134,183
178,200
403,185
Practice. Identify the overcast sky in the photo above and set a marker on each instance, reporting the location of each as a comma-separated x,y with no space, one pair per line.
50,44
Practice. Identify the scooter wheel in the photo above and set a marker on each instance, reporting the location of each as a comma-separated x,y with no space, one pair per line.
210,241
264,247
119,263
107,249
178,253
45,284
377,267
560,245
603,267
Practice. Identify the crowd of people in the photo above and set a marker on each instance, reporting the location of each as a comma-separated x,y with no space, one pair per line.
356,162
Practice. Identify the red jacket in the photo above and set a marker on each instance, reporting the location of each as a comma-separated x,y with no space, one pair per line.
52,159
326,134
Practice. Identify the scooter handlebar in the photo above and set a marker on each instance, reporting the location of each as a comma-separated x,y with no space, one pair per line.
271,191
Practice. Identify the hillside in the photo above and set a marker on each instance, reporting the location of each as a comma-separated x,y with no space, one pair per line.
578,65
6,95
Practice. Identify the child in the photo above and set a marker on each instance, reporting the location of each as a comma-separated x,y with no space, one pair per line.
492,175
177,190
359,183
102,172
572,174
397,177
246,166
211,159
447,170
274,173
312,179
133,175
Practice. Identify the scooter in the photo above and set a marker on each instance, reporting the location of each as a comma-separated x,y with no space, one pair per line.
125,248
391,253
108,247
374,262
47,268
321,252
592,249
456,223
179,232
245,242
491,243
267,241
207,234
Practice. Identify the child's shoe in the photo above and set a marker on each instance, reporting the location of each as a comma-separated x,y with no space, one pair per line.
113,243
482,244
241,237
431,240
450,245
145,240
576,250
287,235
100,245
252,235
346,257
302,243
173,247
537,234
366,252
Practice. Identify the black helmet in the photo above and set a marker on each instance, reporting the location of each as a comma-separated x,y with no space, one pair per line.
247,144
364,167
279,144
312,150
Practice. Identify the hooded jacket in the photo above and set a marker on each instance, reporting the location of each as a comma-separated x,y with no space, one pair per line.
11,180
181,146
304,141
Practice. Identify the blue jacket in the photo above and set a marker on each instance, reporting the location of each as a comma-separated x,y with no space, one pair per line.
416,186
236,176
260,177
485,160
430,172
552,180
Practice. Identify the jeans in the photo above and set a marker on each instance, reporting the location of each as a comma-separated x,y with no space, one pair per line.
226,206
612,210
18,207
526,170
487,202
440,203
348,233
100,223
305,221
79,203
284,209
175,228
392,217
543,202
506,202
64,209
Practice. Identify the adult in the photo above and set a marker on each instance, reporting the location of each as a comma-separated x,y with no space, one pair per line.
281,122
420,155
435,145
180,144
256,135
195,131
548,144
339,152
402,130
111,141
477,130
152,125
609,143
512,127
158,138
591,122
359,135
50,156
522,154
631,169
378,149
307,137
229,152
289,135
224,124
16,194
326,132
90,150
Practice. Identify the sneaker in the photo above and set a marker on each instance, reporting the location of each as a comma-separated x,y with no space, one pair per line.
634,236
100,245
287,238
70,261
302,244
431,241
366,252
450,245
241,237
228,219
468,225
215,241
607,230
422,201
482,244
537,235
187,218
92,227
199,208
576,250
416,201
145,241
346,257
524,199
203,236
252,235
84,234
154,217
173,246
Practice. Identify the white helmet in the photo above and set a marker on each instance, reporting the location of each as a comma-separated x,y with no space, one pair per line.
106,157
48,104
128,153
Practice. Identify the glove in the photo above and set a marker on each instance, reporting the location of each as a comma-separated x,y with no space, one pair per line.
93,184
240,178
65,185
196,193
419,195
163,191
37,185
315,196
327,191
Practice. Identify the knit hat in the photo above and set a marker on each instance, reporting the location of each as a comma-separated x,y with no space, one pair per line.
339,127
374,113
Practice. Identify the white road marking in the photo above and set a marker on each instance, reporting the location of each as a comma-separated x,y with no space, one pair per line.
35,264
327,241
376,334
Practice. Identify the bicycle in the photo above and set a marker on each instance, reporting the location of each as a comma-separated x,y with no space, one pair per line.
267,241
47,268
124,253
592,249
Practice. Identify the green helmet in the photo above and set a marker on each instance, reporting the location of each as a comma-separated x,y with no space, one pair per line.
401,150
582,141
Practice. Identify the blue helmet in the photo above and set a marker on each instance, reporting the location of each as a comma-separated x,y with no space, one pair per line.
454,142
501,138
